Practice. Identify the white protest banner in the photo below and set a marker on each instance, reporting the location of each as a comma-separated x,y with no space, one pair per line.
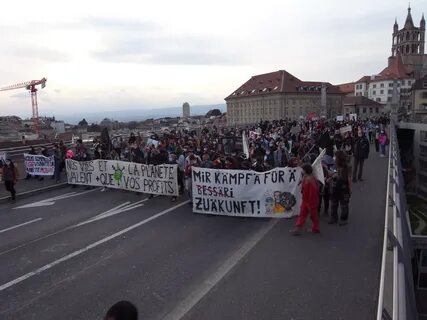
161,179
38,165
317,167
353,116
3,156
152,141
345,129
340,118
273,194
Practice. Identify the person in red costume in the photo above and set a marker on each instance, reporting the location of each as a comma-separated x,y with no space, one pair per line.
310,201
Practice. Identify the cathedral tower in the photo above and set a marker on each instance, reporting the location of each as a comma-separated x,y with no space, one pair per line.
409,42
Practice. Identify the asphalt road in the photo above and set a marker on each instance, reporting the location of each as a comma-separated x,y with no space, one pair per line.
72,253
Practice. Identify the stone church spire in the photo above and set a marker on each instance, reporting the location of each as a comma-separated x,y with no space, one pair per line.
409,23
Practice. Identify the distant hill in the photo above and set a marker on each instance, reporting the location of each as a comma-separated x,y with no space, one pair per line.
138,115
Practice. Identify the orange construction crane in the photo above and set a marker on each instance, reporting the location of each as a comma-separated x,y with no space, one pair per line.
30,86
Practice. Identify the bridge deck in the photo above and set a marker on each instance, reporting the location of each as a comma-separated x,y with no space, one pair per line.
334,275
216,267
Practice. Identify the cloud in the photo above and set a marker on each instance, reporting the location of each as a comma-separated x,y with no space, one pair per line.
120,24
146,43
29,51
20,95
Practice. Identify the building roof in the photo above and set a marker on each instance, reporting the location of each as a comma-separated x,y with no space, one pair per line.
364,79
279,82
395,71
409,23
360,101
419,84
346,87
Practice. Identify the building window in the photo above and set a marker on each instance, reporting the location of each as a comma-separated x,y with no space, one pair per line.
377,110
424,84
371,110
374,86
378,100
389,99
382,85
374,92
390,84
381,91
409,82
424,94
390,91
403,82
364,110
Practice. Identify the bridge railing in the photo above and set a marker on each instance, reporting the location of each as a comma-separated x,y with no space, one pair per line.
396,279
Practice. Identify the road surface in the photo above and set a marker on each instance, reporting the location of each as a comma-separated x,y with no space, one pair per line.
72,253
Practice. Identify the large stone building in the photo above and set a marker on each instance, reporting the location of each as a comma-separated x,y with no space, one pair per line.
279,95
363,107
406,64
409,43
379,87
419,100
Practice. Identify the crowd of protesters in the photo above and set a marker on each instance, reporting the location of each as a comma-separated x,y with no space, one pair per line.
267,145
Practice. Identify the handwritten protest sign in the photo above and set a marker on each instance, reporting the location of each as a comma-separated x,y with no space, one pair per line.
274,194
161,179
152,142
345,129
38,165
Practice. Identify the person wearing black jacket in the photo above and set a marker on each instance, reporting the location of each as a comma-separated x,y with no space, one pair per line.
172,159
360,153
32,152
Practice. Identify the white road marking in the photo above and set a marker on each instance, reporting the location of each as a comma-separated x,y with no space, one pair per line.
91,246
128,206
20,225
51,201
119,209
194,297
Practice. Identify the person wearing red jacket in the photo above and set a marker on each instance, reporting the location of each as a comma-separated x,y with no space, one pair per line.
310,201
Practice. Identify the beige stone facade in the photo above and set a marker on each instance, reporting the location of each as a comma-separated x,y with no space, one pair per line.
280,95
252,110
419,100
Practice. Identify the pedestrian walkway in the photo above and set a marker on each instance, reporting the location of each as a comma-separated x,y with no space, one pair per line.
24,186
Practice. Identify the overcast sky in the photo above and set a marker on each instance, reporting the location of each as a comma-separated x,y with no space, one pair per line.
112,55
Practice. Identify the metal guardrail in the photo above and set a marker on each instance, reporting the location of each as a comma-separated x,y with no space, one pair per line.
398,237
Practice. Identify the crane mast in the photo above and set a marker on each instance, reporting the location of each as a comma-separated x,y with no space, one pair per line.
31,86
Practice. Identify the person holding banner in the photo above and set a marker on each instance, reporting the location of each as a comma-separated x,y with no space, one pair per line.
191,162
10,177
32,152
310,201
172,159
